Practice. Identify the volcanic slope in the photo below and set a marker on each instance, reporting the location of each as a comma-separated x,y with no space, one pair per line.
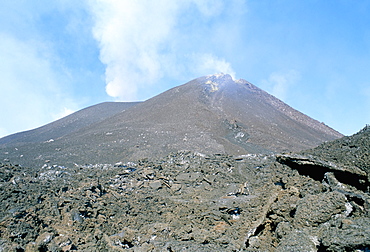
211,114
68,124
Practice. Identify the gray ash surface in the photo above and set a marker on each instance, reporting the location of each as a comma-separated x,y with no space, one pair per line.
317,200
211,114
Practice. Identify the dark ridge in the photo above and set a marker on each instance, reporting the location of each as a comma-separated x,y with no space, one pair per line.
317,172
348,150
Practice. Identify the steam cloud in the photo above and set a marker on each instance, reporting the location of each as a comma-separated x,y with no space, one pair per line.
140,42
279,83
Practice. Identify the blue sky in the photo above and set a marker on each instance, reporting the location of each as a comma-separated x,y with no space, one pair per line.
57,57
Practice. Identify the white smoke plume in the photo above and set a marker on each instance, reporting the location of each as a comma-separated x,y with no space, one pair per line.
208,63
140,42
279,83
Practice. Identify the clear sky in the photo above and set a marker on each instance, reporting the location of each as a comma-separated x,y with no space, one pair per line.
59,56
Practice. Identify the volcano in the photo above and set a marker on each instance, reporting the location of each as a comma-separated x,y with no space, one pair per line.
210,114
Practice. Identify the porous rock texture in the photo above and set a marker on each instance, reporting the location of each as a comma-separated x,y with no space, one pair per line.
317,200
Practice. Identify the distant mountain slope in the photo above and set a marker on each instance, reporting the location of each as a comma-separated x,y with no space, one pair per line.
68,124
212,114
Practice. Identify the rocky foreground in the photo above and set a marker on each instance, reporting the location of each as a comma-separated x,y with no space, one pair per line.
316,200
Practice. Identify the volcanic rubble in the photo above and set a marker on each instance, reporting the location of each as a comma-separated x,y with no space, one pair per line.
189,201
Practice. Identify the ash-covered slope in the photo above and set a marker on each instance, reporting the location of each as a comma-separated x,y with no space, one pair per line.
68,124
212,114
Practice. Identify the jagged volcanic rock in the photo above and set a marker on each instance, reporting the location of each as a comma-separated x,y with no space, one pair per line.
190,201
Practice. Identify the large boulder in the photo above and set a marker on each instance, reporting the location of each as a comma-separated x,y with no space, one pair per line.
313,210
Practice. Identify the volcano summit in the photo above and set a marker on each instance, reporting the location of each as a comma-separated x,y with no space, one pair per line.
211,114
